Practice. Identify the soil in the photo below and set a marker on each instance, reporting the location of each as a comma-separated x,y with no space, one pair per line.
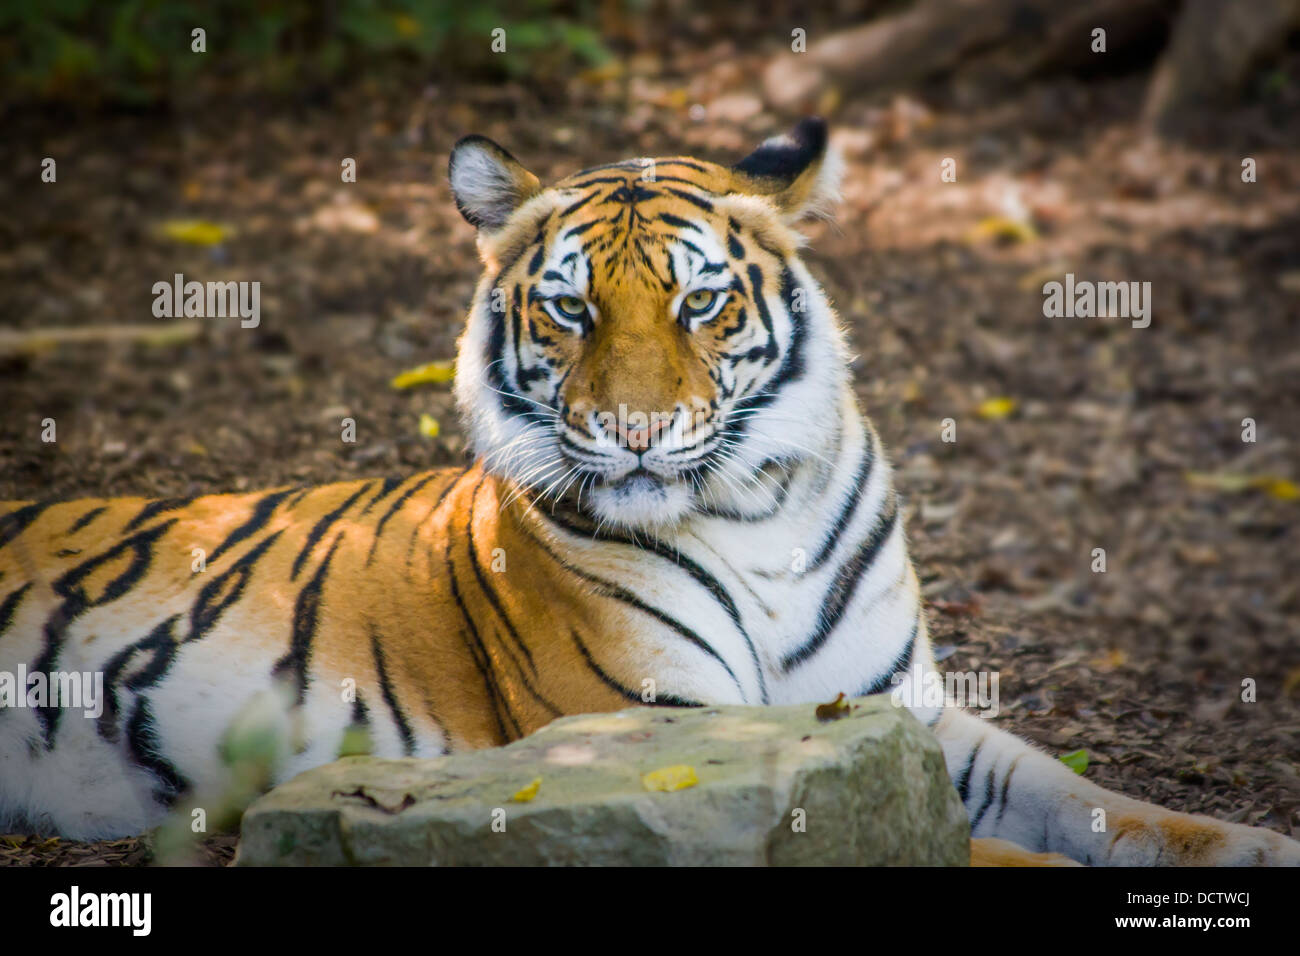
1121,438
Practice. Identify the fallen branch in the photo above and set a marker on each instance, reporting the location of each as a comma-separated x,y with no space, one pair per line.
37,341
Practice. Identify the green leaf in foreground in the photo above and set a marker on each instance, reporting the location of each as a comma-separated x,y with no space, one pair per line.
1076,761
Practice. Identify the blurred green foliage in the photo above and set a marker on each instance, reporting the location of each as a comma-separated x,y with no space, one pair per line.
139,51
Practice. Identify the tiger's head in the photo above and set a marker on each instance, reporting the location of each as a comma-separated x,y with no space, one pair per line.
645,340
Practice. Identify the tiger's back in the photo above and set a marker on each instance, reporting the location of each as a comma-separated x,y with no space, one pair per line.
373,603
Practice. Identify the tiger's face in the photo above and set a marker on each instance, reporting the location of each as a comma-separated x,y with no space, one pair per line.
645,340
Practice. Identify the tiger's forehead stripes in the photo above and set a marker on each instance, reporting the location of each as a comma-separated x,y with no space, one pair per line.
633,221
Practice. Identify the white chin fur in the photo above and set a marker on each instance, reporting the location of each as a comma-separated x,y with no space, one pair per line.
639,504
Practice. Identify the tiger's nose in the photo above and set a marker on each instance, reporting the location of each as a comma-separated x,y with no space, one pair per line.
639,439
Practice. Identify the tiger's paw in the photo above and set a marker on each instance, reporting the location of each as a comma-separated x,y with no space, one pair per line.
1180,839
990,851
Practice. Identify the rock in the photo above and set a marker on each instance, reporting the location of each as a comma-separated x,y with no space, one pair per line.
645,786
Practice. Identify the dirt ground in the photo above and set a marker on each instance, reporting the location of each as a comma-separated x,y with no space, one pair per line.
1113,437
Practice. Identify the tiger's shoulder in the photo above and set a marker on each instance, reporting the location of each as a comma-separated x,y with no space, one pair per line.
65,545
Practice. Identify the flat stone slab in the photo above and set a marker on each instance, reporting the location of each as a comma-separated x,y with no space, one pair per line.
645,786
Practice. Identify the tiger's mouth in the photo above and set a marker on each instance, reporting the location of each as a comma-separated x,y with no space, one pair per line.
638,498
638,479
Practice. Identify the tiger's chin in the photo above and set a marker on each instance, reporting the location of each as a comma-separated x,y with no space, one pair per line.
640,501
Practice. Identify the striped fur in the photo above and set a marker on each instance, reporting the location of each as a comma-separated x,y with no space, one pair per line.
748,548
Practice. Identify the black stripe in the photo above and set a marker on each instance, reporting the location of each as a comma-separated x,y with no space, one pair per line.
383,492
792,366
698,167
849,508
433,509
145,748
318,530
86,519
225,589
661,700
582,227
155,508
579,204
535,262
611,590
488,590
494,600
262,512
842,589
696,200
899,666
677,222
379,528
480,657
963,779
706,580
756,284
306,615
1006,788
10,605
161,641
76,602
988,798
598,181
360,713
14,523
390,698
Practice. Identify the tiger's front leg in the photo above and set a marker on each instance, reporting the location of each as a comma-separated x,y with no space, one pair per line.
1013,792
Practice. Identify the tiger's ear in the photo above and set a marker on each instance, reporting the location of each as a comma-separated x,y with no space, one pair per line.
796,171
488,183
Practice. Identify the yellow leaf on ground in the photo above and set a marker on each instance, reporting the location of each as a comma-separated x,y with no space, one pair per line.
1221,481
668,779
429,426
524,794
1002,228
995,408
196,232
437,373
1283,489
1112,659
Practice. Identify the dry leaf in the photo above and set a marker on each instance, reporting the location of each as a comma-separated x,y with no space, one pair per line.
836,709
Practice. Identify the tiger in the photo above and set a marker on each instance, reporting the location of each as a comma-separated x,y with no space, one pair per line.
658,398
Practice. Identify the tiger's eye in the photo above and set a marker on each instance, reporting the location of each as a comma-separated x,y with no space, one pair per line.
701,300
571,306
